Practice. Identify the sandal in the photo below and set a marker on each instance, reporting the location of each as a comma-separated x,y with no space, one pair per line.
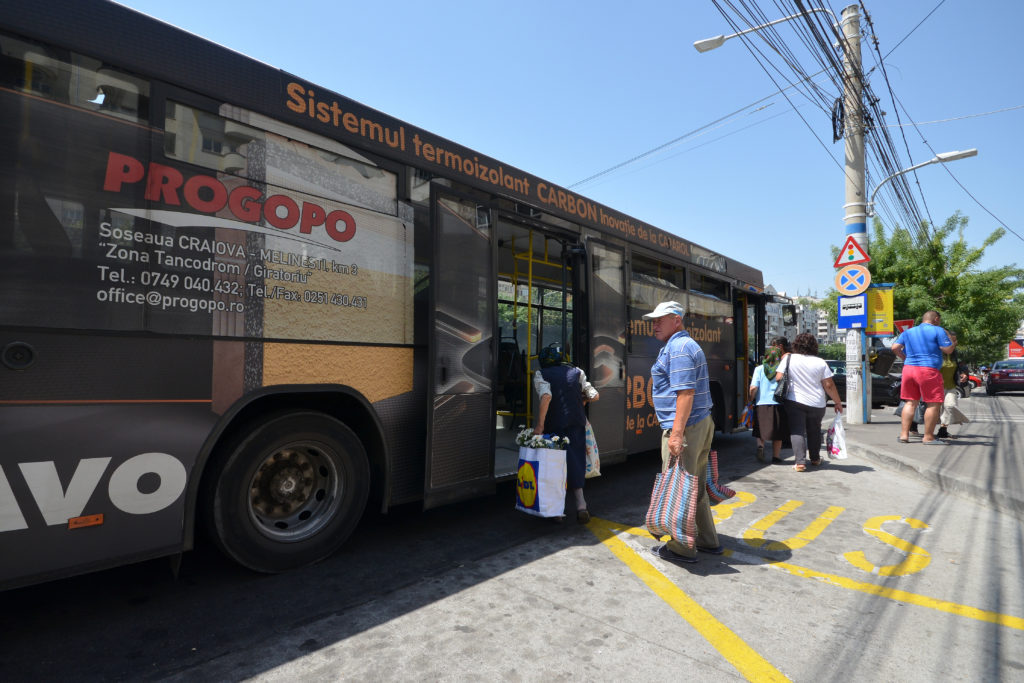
815,463
800,467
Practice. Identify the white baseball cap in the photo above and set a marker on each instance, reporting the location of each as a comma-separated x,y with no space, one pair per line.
667,308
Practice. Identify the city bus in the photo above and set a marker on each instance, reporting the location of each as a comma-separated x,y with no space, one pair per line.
239,306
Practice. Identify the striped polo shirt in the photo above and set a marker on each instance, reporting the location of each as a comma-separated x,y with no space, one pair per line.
680,365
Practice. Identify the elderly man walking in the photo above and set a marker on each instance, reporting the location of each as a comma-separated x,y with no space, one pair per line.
682,403
922,348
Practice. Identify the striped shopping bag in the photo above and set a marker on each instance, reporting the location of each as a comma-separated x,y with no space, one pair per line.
673,508
717,492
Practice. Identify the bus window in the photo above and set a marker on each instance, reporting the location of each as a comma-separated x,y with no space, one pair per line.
73,79
310,163
654,281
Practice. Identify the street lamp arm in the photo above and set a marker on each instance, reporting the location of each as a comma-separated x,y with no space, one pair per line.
941,158
716,41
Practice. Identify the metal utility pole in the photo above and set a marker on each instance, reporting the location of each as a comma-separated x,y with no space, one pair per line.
858,373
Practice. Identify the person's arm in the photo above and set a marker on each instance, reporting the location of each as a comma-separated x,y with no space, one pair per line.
542,412
781,372
543,388
752,393
952,344
898,350
830,388
589,392
684,404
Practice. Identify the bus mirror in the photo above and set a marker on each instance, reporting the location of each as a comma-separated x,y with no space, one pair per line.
789,314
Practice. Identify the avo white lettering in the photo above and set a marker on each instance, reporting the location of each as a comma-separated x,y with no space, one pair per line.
58,504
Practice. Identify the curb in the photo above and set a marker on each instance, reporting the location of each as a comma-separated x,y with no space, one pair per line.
996,497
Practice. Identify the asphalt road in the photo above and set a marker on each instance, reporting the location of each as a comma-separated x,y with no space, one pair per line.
846,572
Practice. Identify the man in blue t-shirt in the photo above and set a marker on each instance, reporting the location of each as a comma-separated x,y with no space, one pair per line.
682,404
922,348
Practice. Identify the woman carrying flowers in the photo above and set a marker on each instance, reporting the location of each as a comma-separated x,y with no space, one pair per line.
563,390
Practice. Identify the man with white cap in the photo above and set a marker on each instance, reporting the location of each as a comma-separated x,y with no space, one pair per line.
682,403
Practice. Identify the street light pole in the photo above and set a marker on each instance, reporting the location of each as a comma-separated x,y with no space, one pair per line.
858,386
856,210
940,158
858,375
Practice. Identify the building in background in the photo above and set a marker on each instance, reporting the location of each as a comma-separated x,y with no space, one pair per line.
827,333
807,319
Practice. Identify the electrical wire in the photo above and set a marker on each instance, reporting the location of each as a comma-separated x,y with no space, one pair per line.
957,118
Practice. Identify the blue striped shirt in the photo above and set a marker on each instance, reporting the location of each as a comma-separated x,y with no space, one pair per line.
680,365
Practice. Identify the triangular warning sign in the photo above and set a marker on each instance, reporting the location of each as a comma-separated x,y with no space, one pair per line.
850,254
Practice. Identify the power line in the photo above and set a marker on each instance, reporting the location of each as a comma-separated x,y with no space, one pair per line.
941,2
955,118
682,137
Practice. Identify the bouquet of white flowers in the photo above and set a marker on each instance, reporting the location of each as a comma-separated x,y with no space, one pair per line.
527,438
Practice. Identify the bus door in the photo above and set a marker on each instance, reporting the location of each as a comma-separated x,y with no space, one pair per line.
538,292
607,370
744,357
460,424
750,338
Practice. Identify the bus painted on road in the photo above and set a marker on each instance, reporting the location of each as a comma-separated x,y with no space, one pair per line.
238,302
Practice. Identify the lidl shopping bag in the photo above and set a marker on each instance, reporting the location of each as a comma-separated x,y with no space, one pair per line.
716,492
540,482
673,508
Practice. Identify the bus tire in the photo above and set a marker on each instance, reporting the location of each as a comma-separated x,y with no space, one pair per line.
287,492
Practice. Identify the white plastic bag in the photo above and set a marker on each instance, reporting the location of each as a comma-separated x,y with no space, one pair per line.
835,441
540,484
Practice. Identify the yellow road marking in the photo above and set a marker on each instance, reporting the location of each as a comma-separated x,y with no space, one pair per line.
747,661
723,511
904,596
917,558
754,536
851,584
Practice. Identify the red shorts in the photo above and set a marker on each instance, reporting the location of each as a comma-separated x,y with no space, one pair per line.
922,384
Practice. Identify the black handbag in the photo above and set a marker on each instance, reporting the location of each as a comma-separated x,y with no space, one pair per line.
782,388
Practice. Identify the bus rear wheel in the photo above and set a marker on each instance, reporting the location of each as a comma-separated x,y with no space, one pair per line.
287,492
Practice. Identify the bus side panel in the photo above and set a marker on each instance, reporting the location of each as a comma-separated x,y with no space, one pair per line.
643,433
99,437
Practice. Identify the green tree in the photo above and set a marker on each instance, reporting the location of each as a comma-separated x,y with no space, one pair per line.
833,351
935,268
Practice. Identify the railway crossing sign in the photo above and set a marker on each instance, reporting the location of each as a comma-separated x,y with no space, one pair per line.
852,280
850,254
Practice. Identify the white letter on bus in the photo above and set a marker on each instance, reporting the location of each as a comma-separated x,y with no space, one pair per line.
11,518
124,483
56,505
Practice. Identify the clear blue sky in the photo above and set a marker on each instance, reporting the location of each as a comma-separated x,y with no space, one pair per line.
565,90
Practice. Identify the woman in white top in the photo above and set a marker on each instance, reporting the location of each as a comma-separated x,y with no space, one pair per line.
809,380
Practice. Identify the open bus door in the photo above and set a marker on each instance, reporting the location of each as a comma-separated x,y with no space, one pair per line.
460,420
608,351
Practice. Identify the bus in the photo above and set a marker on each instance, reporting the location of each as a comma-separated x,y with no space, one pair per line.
236,303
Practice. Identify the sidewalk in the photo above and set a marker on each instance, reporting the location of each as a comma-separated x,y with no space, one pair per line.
981,464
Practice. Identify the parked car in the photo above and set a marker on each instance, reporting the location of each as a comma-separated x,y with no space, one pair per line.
1005,375
885,389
